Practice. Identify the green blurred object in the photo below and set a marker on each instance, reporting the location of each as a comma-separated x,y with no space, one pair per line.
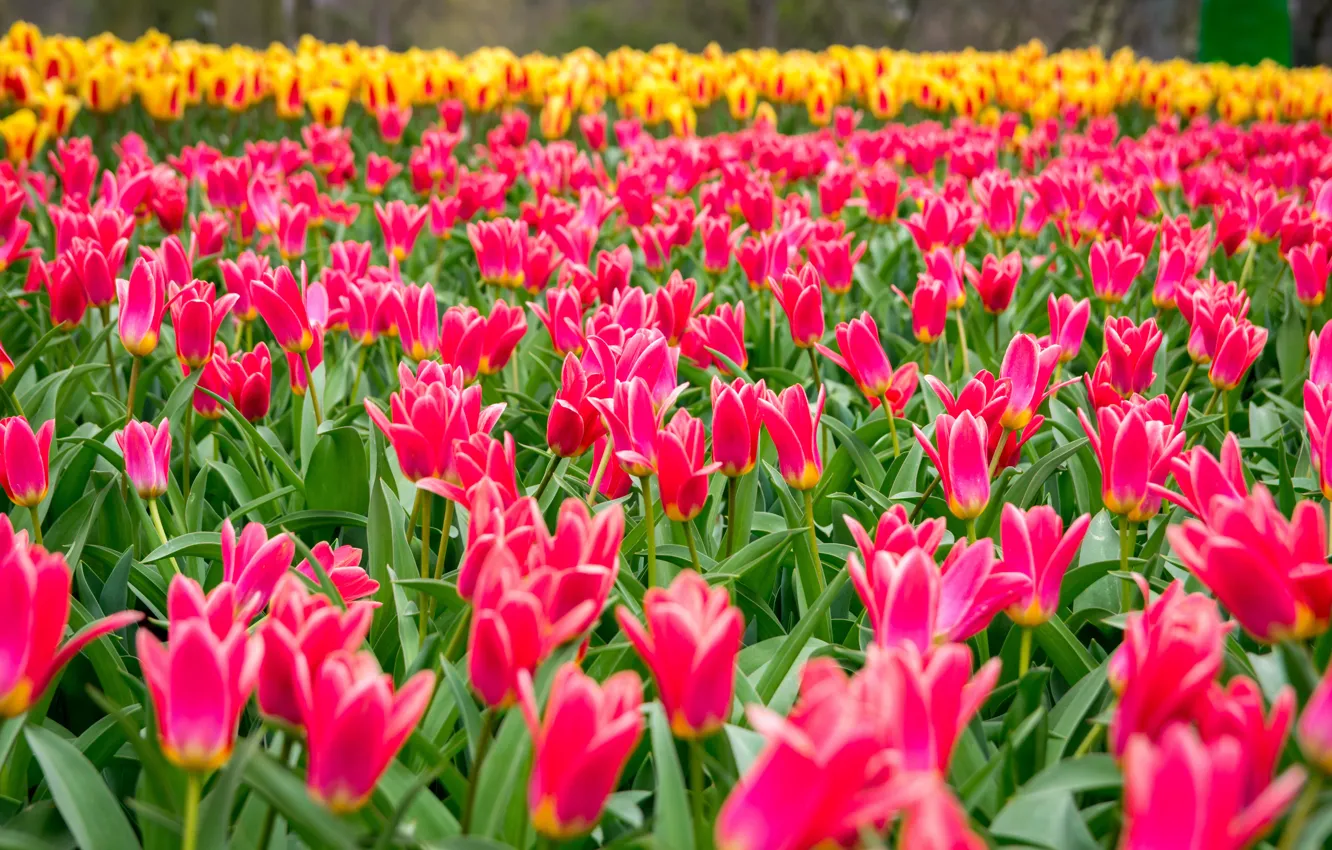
1244,32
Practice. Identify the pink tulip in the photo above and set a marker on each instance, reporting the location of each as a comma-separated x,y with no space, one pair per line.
1135,444
254,563
792,427
1173,267
1314,731
945,266
293,224
462,332
633,423
863,357
579,747
1204,306
499,246
34,608
575,423
1114,268
800,295
301,631
355,725
400,223
239,276
418,322
1310,268
282,305
996,281
343,567
562,316
1028,367
939,223
929,309
251,382
1239,343
682,476
1036,546
835,261
147,453
719,241
962,462
1320,357
882,189
504,329
910,601
722,331
1203,479
64,290
199,684
615,482
96,268
896,535
1183,793
1130,352
142,305
1068,324
25,459
1269,572
998,195
690,644
735,425
380,171
196,317
935,821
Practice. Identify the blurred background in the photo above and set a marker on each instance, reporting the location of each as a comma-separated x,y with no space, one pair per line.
1298,31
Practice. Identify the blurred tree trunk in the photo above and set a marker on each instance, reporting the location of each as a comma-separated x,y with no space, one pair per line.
303,20
1309,21
763,23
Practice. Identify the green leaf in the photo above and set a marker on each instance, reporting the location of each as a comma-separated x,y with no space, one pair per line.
201,544
215,810
1069,656
766,549
335,479
30,356
277,458
462,697
1027,488
286,793
83,798
672,823
791,645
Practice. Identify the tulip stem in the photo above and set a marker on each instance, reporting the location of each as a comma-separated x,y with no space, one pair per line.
1093,735
185,451
439,555
1024,652
156,514
1248,265
545,479
732,487
426,502
133,385
360,369
696,795
314,394
189,832
1126,537
693,550
1184,384
482,747
1303,808
925,358
996,334
596,476
650,528
1225,412
971,530
998,451
892,424
924,497
814,583
270,816
36,524
111,354
818,385
1054,382
458,639
962,344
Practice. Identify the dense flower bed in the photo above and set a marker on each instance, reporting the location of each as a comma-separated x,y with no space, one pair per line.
415,483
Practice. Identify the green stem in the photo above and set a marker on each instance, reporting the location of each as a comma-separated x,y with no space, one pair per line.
693,550
36,525
545,479
650,527
458,639
1303,809
924,497
427,501
1248,265
111,354
696,793
998,452
814,582
1024,652
732,487
1184,384
1125,550
996,335
1054,380
360,369
962,343
1093,735
925,358
482,747
601,471
818,385
161,532
1225,412
443,549
185,450
189,835
841,307
270,816
310,384
971,530
892,424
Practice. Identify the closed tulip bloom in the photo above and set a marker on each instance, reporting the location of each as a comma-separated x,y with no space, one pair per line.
1314,731
67,297
579,747
96,268
254,563
563,317
895,534
735,425
400,223
1310,267
196,317
575,423
356,722
1114,268
1135,445
504,329
418,322
282,305
1028,367
34,607
909,600
239,275
215,378
1036,546
793,428
1270,572
251,377
615,482
836,260
1202,478
1170,657
962,462
945,266
682,476
929,309
1204,306
996,281
1183,793
1239,344
293,224
1320,357
1130,352
1068,324
800,295
199,684
690,645
723,331
633,423
500,249
863,357
300,632
719,241
343,567
1173,267
462,334
25,460
147,453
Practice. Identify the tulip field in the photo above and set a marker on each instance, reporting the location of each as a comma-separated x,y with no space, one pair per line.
751,451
